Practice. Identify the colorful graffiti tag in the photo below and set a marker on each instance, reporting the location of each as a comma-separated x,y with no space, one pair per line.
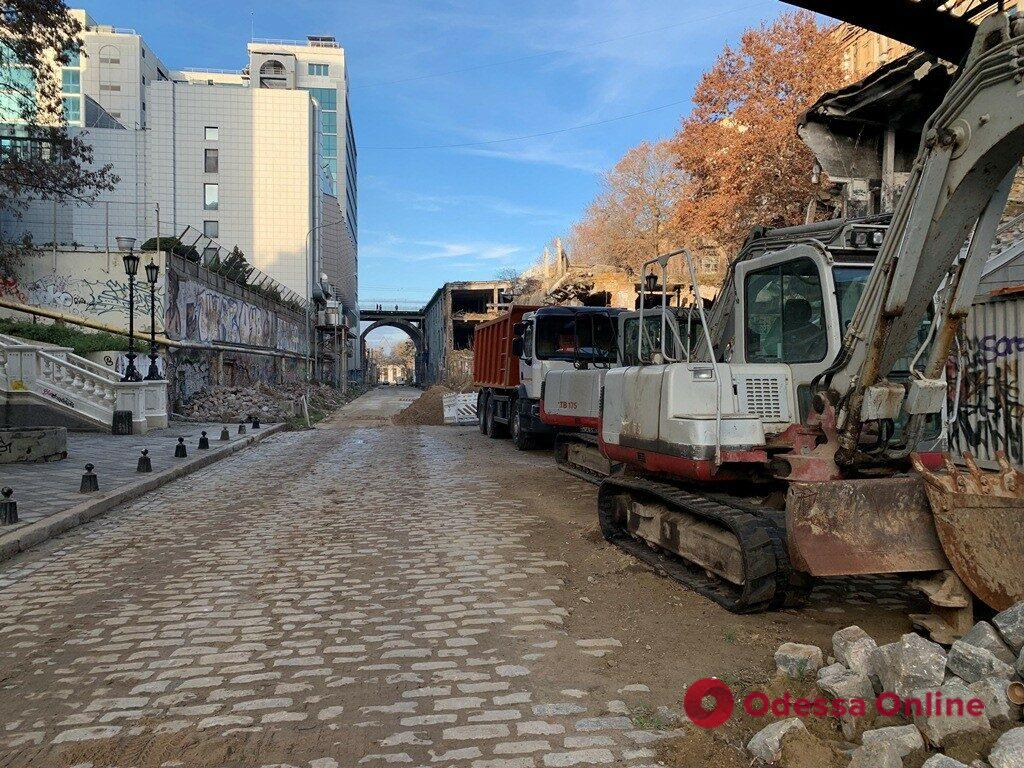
990,413
198,313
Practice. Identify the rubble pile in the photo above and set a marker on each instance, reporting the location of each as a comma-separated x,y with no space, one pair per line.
925,706
269,404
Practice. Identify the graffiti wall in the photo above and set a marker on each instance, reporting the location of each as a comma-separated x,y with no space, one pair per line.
986,383
86,284
197,312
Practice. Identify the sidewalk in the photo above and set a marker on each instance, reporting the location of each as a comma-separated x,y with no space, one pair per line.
48,493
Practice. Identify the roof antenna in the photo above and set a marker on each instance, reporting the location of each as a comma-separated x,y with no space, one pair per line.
252,25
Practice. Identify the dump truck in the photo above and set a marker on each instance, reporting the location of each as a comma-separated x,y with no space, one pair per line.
803,437
514,353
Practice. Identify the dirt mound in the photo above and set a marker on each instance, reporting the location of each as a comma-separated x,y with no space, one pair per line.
426,410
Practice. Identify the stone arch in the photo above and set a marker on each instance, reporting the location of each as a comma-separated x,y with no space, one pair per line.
412,331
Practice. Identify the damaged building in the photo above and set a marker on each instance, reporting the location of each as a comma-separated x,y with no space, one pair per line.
450,316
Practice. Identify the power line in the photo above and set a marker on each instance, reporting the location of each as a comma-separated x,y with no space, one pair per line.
529,135
556,52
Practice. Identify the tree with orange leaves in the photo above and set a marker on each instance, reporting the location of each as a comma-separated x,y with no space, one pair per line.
744,162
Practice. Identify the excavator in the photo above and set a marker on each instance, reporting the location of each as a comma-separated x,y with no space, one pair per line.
804,435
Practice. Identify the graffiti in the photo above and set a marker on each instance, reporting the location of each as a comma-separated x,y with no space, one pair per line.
990,413
97,297
67,401
996,347
198,313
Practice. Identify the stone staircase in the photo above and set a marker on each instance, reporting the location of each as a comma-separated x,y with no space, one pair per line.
44,385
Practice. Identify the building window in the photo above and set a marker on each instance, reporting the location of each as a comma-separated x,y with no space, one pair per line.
74,59
211,229
211,161
319,70
210,254
71,81
72,109
212,133
211,197
110,87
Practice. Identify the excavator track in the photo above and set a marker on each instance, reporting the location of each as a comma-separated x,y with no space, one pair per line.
768,580
565,445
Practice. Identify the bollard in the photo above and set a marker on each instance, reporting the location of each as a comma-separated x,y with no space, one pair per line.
204,442
255,422
241,427
224,434
8,508
145,463
179,449
90,482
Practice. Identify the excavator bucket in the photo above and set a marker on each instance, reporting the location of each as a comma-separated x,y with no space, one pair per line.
979,519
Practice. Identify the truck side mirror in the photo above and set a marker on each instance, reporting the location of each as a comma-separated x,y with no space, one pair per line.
519,329
517,346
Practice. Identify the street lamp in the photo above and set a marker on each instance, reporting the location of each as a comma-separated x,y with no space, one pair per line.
152,273
131,268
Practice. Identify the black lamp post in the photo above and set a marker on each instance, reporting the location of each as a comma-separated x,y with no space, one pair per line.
131,268
152,273
652,282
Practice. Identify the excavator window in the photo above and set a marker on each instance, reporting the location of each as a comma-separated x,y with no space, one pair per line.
785,314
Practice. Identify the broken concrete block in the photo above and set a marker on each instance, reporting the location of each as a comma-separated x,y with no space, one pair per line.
942,761
984,635
859,655
973,663
1008,751
798,661
939,726
843,639
766,744
918,664
1010,624
904,738
882,667
999,709
1019,666
878,754
832,669
850,685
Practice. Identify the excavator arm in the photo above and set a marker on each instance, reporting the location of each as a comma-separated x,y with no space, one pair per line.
970,150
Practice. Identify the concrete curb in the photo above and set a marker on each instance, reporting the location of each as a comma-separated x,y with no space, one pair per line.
32,534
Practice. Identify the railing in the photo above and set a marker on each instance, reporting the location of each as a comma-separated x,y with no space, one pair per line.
91,391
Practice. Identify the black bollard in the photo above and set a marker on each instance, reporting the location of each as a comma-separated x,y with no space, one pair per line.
255,422
8,507
204,442
90,482
145,463
224,434
179,449
241,427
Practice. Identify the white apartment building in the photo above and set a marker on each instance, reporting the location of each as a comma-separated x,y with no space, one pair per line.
263,158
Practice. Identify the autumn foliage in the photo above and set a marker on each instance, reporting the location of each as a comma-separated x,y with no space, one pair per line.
736,161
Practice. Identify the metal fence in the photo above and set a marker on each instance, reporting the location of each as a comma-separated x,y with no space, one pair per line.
986,382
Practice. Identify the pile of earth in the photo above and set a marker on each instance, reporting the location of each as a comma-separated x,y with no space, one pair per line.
426,410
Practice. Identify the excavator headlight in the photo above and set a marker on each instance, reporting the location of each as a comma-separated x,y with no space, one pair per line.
860,239
703,374
877,237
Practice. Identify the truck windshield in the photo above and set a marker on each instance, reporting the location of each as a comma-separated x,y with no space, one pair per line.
582,337
652,338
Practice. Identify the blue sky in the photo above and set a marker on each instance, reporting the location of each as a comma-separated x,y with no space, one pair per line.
462,72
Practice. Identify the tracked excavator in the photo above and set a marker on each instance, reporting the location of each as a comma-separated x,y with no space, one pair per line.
805,435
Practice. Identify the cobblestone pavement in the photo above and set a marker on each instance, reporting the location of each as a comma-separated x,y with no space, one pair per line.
49,487
340,597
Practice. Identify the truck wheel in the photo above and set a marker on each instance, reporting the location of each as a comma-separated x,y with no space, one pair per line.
494,429
521,439
481,412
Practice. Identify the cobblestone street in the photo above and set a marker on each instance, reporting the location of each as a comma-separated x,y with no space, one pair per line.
328,598
364,594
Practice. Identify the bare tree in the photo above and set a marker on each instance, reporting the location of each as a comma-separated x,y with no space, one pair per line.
39,158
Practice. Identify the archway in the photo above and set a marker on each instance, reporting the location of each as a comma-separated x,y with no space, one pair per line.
414,333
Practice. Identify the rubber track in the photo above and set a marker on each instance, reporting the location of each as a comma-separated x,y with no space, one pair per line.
584,473
762,543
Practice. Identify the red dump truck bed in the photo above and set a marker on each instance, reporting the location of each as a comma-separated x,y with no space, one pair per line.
494,365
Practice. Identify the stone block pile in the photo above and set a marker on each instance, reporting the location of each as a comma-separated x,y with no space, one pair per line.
982,671
269,404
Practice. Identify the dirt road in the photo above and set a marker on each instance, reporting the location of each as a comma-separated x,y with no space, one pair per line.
369,594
